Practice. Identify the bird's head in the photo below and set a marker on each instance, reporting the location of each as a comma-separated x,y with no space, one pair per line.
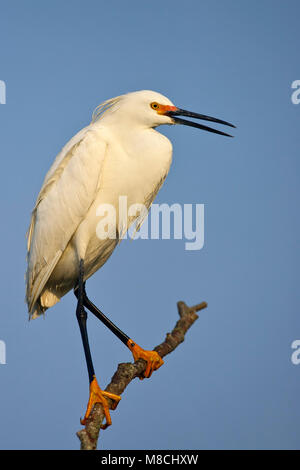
150,109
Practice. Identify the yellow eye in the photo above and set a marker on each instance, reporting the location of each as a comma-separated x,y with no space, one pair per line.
154,105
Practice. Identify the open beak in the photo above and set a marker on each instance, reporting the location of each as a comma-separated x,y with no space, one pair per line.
181,112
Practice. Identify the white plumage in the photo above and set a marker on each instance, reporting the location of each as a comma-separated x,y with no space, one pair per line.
119,153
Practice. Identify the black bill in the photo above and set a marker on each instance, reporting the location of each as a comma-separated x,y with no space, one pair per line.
203,117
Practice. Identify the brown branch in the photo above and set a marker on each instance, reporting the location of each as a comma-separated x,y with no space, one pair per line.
126,372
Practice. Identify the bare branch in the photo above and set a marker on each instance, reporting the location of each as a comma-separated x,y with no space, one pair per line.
126,372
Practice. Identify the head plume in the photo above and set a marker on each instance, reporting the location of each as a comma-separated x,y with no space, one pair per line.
103,107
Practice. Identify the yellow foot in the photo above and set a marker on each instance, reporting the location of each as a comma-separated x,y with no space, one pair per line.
153,359
99,396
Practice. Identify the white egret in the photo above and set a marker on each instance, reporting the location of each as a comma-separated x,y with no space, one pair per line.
119,153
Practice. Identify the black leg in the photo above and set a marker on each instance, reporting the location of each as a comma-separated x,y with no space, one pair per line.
82,317
152,358
96,394
100,315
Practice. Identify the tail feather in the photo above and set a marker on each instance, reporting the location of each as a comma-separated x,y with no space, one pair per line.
46,300
37,305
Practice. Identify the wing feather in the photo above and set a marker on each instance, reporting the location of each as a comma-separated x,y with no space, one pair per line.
68,191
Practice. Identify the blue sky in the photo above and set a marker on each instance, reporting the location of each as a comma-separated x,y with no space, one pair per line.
232,383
